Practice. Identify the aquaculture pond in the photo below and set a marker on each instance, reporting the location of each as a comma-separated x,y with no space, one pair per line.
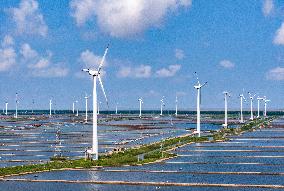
251,161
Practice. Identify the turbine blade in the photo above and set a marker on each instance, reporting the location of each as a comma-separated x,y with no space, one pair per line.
203,84
103,59
102,86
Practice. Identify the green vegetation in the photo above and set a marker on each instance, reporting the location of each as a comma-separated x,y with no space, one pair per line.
152,152
222,134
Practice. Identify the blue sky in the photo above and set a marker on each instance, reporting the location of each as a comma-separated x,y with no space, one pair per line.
155,48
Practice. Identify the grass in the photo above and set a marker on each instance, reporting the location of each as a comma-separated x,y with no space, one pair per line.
223,134
152,152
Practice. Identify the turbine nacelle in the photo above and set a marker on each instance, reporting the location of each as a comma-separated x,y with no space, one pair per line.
91,72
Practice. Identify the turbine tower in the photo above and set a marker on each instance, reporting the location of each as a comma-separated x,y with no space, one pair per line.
33,103
176,106
96,74
140,108
162,104
99,103
77,108
116,109
16,116
50,103
265,105
6,108
242,98
258,100
226,94
198,86
73,107
251,100
86,99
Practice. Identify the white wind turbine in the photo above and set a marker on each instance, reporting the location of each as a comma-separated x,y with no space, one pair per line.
258,100
242,98
86,100
176,106
140,107
73,107
162,104
33,106
226,94
116,108
96,74
16,116
77,108
251,100
50,103
99,103
6,108
198,86
265,105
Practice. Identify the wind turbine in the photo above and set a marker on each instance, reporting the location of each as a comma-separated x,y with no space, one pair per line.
50,103
99,103
226,94
116,109
176,106
86,99
140,108
198,86
77,108
73,107
6,108
265,105
16,116
96,74
242,98
251,100
33,106
162,104
258,100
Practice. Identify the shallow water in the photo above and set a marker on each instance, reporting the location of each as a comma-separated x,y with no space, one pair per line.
252,158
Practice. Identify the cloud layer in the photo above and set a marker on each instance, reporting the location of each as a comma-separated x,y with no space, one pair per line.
268,7
28,18
124,18
279,36
7,54
275,74
168,72
227,64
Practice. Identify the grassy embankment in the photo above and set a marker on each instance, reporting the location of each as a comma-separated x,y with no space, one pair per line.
223,134
151,152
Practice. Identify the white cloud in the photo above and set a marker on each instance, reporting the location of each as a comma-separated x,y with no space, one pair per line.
124,18
227,64
41,66
42,63
179,54
168,72
90,60
275,74
7,41
7,58
55,71
27,52
267,7
28,18
142,71
279,36
7,54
